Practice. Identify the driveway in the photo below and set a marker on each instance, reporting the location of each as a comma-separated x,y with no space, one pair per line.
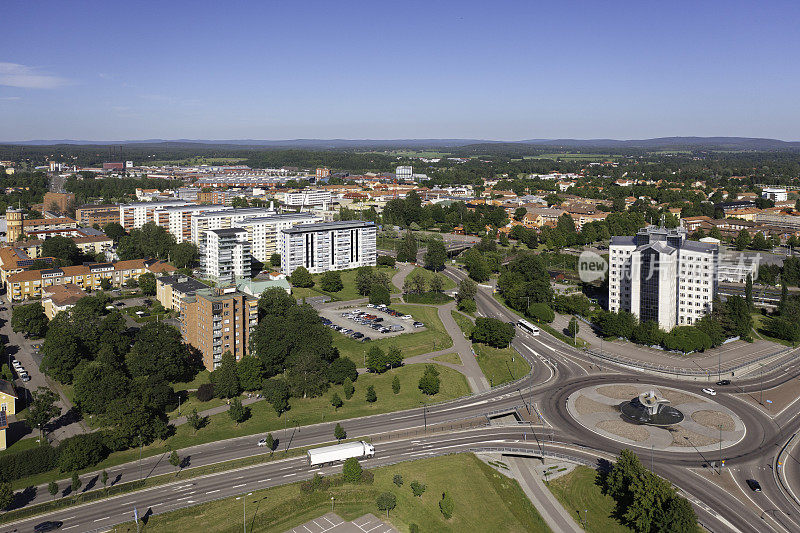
20,348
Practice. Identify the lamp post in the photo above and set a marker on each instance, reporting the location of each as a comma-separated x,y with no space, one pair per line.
244,509
332,503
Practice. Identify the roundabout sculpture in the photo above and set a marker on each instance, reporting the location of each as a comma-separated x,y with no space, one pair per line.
650,409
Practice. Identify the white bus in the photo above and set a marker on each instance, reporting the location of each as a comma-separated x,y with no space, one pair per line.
527,327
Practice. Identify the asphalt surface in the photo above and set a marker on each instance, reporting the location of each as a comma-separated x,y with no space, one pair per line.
557,371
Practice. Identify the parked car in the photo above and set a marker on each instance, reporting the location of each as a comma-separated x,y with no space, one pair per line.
365,339
406,317
370,305
418,324
25,378
754,485
358,335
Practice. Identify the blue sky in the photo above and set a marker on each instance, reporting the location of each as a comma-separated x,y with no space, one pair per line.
117,70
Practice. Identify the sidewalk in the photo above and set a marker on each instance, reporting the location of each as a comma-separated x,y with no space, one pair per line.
540,496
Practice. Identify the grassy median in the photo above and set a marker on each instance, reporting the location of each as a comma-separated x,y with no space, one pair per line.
484,501
500,365
578,491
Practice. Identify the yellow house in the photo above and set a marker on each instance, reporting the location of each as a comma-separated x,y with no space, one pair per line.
8,398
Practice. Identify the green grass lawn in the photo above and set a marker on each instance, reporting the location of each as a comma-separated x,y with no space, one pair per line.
463,322
485,500
433,338
448,283
21,445
452,358
304,411
348,292
577,491
500,365
759,329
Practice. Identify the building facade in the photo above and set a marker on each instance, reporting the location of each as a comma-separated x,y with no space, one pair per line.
89,277
661,276
307,197
225,254
264,232
328,246
218,320
138,214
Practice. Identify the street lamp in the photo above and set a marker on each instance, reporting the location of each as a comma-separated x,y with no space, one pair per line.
244,509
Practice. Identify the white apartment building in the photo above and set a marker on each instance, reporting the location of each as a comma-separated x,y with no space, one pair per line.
659,275
178,220
138,214
328,246
224,219
775,194
225,254
307,197
264,232
404,172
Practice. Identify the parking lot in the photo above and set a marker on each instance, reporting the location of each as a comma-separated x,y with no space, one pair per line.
370,322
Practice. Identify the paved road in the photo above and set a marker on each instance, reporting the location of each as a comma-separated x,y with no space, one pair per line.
557,371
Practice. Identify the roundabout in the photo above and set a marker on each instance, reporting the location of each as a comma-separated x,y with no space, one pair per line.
611,410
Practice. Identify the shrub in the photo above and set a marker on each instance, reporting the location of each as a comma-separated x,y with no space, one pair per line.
371,395
385,260
349,389
418,488
396,385
16,465
397,480
81,451
205,392
341,369
541,312
367,477
413,528
446,506
493,332
301,278
331,281
386,501
379,294
351,471
467,306
429,382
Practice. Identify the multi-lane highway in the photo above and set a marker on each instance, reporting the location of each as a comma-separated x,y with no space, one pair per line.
557,371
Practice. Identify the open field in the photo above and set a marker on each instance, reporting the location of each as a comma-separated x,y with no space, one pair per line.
348,292
452,358
571,156
433,338
577,491
500,365
484,501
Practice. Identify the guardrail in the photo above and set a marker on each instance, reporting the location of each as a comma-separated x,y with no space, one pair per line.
536,453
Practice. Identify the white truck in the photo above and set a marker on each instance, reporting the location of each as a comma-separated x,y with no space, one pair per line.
340,452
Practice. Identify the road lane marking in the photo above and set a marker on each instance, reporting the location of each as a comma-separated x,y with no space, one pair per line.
240,485
213,491
101,519
288,475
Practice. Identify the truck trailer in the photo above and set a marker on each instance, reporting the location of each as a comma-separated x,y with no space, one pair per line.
340,452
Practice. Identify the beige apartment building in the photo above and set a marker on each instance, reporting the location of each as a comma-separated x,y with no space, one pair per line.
218,320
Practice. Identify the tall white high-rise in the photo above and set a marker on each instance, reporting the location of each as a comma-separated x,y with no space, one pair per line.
660,275
225,254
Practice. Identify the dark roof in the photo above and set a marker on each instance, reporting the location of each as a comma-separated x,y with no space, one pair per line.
627,240
182,283
8,388
325,226
697,246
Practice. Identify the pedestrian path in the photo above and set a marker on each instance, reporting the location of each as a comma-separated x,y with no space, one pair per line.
540,496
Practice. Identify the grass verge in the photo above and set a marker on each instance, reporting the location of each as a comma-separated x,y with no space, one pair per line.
463,322
485,500
500,365
427,274
452,358
577,491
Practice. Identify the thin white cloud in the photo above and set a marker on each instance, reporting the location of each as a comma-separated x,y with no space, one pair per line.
16,75
9,98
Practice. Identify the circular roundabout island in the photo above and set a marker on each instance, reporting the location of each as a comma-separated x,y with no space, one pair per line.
651,416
